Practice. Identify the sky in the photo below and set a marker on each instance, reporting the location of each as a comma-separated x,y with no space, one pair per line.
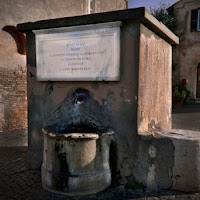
150,3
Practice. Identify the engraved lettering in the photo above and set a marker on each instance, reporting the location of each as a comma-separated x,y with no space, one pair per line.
79,55
75,49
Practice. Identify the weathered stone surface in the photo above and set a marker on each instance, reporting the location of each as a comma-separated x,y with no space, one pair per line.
154,99
81,53
27,183
186,160
154,161
13,99
111,105
76,165
113,102
169,161
12,12
140,14
186,56
98,6
13,102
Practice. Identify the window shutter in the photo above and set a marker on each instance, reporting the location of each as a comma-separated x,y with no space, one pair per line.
194,19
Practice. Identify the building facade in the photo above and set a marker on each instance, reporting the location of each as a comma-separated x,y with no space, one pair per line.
13,90
186,56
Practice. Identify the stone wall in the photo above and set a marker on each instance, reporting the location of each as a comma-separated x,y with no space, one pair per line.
13,12
114,104
186,56
13,101
154,85
169,161
98,6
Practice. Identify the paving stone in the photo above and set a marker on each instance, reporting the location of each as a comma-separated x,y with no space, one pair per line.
17,182
187,117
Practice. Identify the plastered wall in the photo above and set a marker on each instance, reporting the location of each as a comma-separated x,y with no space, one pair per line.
116,105
113,104
13,101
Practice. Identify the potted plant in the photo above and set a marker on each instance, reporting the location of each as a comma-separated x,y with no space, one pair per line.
182,88
178,96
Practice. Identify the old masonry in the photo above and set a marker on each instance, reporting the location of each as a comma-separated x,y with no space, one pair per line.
99,100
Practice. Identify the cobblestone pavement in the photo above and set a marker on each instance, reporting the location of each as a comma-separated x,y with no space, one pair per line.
187,117
17,182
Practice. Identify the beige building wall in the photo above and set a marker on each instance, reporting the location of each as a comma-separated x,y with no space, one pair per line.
187,55
13,92
154,92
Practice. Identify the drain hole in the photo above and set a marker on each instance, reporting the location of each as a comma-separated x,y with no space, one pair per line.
80,99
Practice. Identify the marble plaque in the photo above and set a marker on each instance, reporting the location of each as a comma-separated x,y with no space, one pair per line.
81,53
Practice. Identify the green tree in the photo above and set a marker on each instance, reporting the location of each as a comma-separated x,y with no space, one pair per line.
163,15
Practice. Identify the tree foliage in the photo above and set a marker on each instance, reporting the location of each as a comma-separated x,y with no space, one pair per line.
164,16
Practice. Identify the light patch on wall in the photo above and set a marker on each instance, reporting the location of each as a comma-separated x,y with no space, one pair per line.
151,177
152,151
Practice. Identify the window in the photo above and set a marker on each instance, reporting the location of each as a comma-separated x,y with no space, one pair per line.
195,20
198,24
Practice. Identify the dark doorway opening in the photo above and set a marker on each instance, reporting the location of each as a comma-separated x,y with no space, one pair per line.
198,81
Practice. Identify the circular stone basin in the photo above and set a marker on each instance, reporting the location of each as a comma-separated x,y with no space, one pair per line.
76,163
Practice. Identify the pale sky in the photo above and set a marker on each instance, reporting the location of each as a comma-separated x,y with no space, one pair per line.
150,3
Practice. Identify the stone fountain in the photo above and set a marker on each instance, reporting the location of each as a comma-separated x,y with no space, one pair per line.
76,149
89,76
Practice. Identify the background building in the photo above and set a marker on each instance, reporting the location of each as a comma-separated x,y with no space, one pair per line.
186,56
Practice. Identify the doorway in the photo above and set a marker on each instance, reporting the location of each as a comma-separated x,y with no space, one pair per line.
198,81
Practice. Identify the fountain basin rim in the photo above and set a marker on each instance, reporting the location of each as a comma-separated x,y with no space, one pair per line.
58,135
